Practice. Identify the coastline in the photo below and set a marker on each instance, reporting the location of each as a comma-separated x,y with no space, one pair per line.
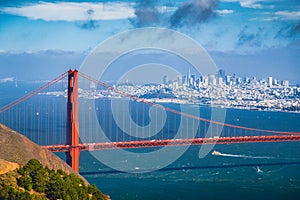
186,102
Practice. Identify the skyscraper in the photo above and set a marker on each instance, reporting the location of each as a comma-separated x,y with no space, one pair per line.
285,83
270,81
228,80
212,79
179,80
221,73
165,80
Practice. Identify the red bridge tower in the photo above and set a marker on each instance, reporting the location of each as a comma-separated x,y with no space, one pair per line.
72,135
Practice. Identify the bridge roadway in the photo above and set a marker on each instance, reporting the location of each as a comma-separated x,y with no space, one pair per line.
171,142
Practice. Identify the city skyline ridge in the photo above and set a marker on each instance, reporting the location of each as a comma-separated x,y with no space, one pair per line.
230,79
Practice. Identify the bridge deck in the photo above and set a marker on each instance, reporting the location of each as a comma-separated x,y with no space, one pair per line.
172,142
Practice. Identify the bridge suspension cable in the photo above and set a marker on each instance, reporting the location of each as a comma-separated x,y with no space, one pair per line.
32,93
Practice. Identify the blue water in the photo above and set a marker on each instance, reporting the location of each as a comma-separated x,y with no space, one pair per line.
214,177
242,171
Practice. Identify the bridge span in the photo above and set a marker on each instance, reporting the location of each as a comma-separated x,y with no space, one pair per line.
54,122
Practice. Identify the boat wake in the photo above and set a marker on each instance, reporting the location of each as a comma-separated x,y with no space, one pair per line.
217,153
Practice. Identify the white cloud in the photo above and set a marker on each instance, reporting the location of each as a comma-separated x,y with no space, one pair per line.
68,11
224,12
280,15
5,80
247,3
289,14
163,9
250,4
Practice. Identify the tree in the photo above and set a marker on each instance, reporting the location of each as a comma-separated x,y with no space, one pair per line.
40,178
25,181
32,165
96,194
55,187
54,184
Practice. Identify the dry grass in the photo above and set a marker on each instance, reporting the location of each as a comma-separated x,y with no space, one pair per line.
6,166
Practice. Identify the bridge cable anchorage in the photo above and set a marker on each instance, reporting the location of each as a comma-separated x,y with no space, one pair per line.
32,93
125,94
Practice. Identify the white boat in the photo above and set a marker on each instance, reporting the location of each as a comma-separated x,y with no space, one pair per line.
216,153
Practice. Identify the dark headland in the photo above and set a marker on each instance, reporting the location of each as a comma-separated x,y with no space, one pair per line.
17,151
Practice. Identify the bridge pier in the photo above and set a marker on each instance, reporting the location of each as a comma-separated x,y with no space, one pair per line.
72,135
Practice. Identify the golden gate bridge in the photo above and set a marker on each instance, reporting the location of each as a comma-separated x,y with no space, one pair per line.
51,119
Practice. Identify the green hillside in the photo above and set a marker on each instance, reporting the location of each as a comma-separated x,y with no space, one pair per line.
34,181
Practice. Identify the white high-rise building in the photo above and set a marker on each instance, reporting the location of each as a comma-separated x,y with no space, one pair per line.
212,79
227,79
270,81
220,80
285,83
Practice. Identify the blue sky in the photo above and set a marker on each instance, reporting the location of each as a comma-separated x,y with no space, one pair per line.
249,37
